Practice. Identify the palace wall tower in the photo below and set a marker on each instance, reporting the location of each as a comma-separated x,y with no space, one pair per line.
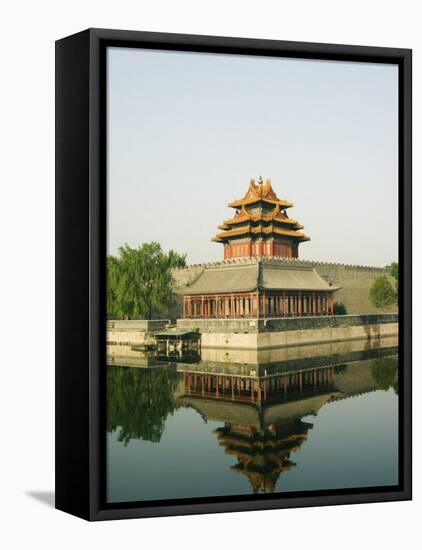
261,226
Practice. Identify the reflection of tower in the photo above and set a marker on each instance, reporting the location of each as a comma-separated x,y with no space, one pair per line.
263,454
258,390
261,414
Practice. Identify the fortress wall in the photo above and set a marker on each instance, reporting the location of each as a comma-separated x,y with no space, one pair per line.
355,282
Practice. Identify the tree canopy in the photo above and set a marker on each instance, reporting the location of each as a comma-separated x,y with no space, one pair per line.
139,281
394,272
382,293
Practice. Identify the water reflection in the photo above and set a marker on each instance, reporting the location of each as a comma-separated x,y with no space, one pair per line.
260,413
139,401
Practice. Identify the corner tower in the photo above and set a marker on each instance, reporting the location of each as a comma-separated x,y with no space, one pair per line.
260,226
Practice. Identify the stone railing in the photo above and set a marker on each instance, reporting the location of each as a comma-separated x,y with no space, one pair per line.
138,325
284,324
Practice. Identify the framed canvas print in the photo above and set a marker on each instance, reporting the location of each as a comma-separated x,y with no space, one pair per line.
233,274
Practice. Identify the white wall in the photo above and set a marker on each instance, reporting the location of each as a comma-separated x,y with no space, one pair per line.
26,216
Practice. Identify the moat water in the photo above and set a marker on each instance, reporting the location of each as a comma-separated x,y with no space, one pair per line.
233,424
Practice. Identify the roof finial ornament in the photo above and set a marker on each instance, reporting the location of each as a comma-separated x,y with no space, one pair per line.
260,180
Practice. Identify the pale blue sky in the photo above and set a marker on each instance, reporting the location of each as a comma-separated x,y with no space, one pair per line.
187,131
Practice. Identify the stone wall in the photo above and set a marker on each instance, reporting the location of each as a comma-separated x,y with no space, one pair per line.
355,282
274,333
281,325
132,333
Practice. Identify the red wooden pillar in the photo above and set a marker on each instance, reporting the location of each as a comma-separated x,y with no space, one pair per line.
232,386
300,304
284,304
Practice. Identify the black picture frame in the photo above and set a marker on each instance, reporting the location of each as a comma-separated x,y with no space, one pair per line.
80,270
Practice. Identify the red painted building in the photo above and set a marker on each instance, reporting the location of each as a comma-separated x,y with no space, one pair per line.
252,282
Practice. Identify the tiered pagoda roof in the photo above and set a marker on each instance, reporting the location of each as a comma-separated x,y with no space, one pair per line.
260,213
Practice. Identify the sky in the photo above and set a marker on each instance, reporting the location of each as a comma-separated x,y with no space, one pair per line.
187,131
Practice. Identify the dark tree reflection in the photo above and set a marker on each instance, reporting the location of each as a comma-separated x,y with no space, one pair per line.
139,401
385,373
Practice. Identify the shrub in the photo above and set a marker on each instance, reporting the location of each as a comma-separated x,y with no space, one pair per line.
381,293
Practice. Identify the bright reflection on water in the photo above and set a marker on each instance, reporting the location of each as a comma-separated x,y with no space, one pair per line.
316,417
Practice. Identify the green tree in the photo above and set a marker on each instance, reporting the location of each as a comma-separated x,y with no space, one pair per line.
394,272
381,293
139,281
113,291
339,309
